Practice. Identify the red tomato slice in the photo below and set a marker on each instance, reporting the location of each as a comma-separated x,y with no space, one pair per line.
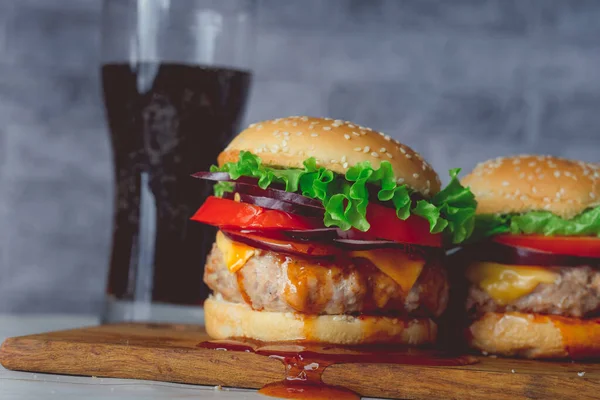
228,213
386,225
384,222
583,246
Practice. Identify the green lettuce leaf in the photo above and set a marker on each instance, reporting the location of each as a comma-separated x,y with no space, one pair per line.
541,223
345,198
220,188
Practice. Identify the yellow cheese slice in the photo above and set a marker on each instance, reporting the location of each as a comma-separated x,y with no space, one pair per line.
507,283
396,264
235,254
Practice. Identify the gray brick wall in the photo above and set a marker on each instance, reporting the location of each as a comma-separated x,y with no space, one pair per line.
460,81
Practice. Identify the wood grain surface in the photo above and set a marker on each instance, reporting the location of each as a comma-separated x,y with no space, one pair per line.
171,353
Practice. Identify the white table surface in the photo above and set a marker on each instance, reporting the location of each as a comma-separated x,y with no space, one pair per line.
32,386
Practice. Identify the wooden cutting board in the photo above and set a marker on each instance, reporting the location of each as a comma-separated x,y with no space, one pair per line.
171,353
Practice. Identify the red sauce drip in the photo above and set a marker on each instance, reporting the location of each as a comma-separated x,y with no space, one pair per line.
303,381
305,363
577,334
240,280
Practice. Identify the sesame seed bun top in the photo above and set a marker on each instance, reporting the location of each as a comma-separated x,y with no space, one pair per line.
336,145
529,183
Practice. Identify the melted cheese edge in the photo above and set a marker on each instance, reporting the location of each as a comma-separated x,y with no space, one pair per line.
507,283
235,254
393,263
396,264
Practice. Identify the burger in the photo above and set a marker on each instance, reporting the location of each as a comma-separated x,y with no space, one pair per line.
534,273
329,232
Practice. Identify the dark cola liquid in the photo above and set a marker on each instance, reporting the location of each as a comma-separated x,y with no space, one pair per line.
166,122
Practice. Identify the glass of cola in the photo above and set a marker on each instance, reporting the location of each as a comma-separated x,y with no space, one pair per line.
176,76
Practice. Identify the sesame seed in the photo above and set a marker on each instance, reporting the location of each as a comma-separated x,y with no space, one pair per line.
259,126
345,165
252,125
351,126
524,197
389,155
592,195
546,200
400,180
326,128
570,201
516,161
538,170
423,167
428,183
541,176
356,133
294,124
534,189
299,133
369,129
505,183
408,156
343,158
363,133
284,143
557,174
386,137
567,173
286,133
374,154
304,119
346,136
358,149
547,206
333,161
532,164
415,175
366,149
522,175
402,150
530,178
314,134
383,150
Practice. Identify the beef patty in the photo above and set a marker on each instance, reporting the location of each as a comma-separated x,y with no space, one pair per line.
272,282
576,293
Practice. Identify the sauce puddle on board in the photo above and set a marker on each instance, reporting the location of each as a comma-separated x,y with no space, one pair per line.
305,362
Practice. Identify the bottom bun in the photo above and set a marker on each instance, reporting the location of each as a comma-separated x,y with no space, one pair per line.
226,320
536,336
